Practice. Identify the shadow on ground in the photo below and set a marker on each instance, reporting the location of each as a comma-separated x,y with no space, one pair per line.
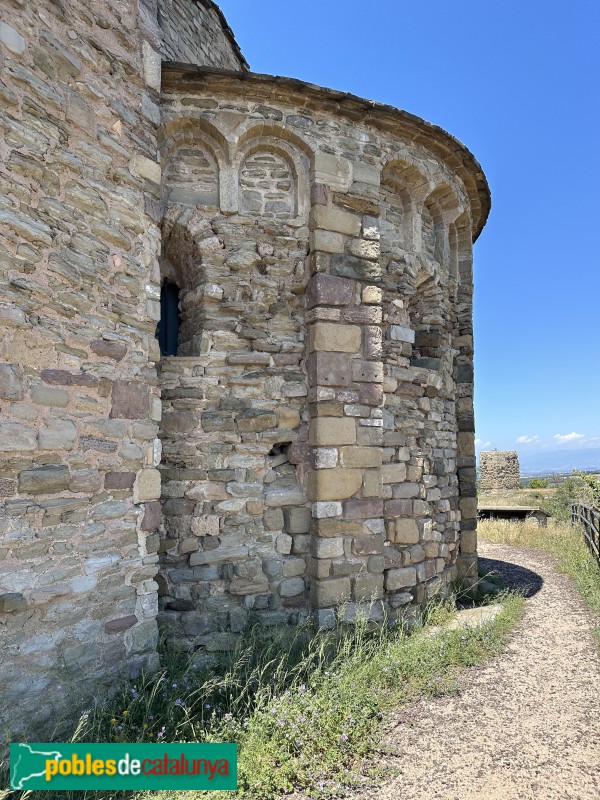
512,576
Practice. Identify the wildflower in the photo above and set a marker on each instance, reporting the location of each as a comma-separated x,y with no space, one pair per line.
174,685
179,702
113,720
125,713
161,733
119,727
134,693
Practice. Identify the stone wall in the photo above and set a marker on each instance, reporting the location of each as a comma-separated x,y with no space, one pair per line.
196,32
499,471
79,398
316,443
318,428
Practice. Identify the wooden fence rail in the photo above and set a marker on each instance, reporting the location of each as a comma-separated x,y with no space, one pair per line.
588,518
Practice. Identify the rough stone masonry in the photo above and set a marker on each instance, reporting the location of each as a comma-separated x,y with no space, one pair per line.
312,430
499,471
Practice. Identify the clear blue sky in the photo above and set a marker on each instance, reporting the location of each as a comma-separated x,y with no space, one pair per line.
518,83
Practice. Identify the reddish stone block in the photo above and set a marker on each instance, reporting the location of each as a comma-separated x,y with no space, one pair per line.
329,369
367,371
368,545
370,394
119,480
152,516
130,400
367,315
409,389
114,350
57,377
120,625
318,194
85,379
397,508
298,453
60,377
363,509
327,290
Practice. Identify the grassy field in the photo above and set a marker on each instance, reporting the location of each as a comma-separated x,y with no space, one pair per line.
304,708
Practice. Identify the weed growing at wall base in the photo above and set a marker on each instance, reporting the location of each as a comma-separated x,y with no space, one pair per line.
304,708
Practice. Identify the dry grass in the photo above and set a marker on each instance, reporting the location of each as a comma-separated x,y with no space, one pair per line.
520,497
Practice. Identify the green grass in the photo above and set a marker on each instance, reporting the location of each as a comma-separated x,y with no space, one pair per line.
565,542
305,708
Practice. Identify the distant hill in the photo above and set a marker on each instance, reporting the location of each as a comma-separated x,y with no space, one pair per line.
560,461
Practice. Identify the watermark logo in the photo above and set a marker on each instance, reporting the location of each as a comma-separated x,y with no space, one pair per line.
123,766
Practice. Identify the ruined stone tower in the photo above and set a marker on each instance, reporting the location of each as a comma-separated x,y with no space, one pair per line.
499,471
308,256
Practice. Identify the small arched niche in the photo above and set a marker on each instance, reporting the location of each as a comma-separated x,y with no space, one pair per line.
193,154
191,176
272,165
268,184
402,186
439,209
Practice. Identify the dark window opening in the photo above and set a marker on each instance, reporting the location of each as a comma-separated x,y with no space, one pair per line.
167,331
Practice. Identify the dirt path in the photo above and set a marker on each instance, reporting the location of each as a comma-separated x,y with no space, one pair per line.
525,726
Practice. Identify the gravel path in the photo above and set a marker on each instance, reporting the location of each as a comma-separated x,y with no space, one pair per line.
524,726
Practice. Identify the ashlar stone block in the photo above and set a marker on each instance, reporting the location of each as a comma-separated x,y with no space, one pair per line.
328,290
324,457
334,484
393,473
330,218
367,371
327,547
325,336
330,592
329,369
361,457
146,486
323,510
324,431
